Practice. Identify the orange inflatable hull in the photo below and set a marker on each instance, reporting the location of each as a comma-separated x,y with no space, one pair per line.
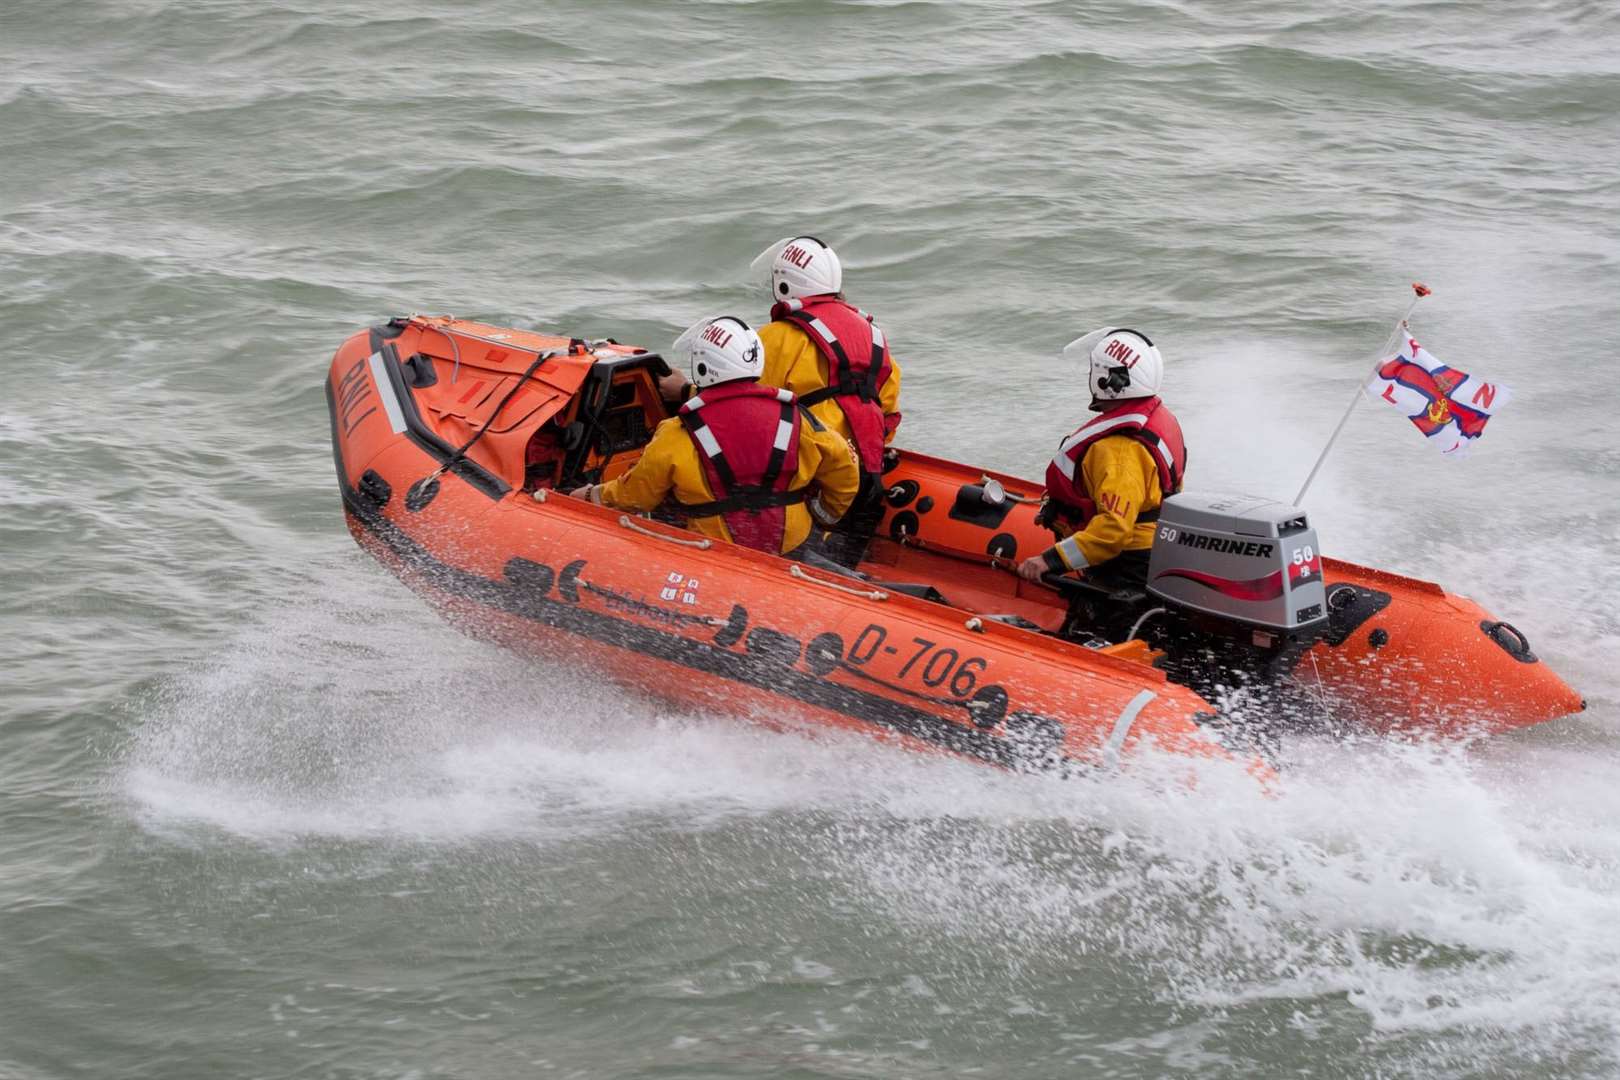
1399,654
486,538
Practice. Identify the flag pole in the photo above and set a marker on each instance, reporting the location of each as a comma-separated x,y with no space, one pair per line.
1420,290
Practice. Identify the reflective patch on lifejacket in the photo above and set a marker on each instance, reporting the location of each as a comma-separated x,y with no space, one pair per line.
706,439
879,342
1066,463
385,390
1162,452
784,434
785,397
824,330
693,403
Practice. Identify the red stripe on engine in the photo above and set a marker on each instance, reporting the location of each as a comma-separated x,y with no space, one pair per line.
1261,588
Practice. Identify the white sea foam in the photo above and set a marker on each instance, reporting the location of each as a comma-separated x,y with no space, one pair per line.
1431,887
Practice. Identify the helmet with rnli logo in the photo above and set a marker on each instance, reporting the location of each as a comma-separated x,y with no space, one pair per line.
1121,364
720,349
798,266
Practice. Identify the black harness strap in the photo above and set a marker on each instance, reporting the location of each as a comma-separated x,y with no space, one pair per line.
743,500
869,391
839,382
773,468
692,422
758,496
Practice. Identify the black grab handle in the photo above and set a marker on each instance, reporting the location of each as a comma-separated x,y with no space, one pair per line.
1511,638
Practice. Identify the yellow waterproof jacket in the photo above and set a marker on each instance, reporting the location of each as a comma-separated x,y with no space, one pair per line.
792,362
671,465
1122,478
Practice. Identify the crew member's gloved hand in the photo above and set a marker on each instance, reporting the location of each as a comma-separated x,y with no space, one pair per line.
672,387
1047,562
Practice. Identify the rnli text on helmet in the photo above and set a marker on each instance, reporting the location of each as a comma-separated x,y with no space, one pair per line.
1122,352
796,255
717,335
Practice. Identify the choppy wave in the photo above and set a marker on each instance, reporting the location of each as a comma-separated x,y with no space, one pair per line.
264,799
1402,891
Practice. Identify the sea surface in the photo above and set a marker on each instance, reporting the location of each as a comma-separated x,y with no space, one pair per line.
263,815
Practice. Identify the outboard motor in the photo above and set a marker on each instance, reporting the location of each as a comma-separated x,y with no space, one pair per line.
1241,579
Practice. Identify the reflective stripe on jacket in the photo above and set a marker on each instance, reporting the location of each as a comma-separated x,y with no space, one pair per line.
1121,471
671,468
1106,482
748,437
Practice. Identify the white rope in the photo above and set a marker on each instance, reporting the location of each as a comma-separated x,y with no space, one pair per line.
455,346
975,624
869,594
1146,615
1321,691
539,495
629,523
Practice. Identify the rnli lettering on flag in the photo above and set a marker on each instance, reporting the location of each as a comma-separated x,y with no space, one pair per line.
1449,406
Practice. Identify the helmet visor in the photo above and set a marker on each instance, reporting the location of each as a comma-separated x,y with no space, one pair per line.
759,271
1078,351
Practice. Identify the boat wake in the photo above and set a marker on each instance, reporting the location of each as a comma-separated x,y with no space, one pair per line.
1425,887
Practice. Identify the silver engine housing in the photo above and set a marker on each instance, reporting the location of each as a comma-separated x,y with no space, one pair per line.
1251,560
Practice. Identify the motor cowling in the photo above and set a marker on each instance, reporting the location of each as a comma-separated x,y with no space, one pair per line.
1248,562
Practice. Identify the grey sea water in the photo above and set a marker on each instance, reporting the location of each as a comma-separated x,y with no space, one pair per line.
262,815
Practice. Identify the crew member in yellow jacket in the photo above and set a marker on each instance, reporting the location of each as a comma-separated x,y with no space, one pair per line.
740,461
805,279
827,351
1107,481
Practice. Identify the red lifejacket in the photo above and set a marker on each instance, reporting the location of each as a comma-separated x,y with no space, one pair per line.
1149,422
747,437
858,365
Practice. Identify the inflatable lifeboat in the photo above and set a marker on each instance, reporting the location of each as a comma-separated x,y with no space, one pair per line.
454,442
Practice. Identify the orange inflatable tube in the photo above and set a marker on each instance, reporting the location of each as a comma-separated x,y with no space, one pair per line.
453,440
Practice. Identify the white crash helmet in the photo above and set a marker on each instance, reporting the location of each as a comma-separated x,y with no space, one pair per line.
719,349
1120,364
797,266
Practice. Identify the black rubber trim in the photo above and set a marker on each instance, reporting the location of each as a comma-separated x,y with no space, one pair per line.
902,493
521,596
424,436
372,486
389,330
421,493
970,506
422,372
1348,608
